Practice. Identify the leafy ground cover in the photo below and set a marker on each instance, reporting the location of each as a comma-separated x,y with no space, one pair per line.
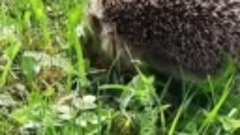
49,86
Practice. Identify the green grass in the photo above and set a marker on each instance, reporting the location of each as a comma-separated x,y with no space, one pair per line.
49,86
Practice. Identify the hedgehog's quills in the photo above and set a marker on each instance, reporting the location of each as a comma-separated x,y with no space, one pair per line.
192,35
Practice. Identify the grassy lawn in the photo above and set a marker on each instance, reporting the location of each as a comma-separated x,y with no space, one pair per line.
50,86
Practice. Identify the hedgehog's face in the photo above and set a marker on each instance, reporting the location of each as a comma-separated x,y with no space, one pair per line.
113,42
104,29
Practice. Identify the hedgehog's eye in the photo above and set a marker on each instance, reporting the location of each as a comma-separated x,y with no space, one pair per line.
103,2
95,22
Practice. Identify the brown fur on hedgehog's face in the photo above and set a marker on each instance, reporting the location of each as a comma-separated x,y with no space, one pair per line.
191,35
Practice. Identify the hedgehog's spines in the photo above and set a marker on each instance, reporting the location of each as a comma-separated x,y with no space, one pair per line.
190,34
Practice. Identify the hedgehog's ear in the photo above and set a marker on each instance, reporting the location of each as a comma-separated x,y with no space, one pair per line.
96,8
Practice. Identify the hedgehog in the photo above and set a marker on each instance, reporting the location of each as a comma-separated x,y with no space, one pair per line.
173,36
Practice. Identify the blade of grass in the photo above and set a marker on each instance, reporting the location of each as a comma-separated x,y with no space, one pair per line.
184,105
11,53
76,17
40,15
213,114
